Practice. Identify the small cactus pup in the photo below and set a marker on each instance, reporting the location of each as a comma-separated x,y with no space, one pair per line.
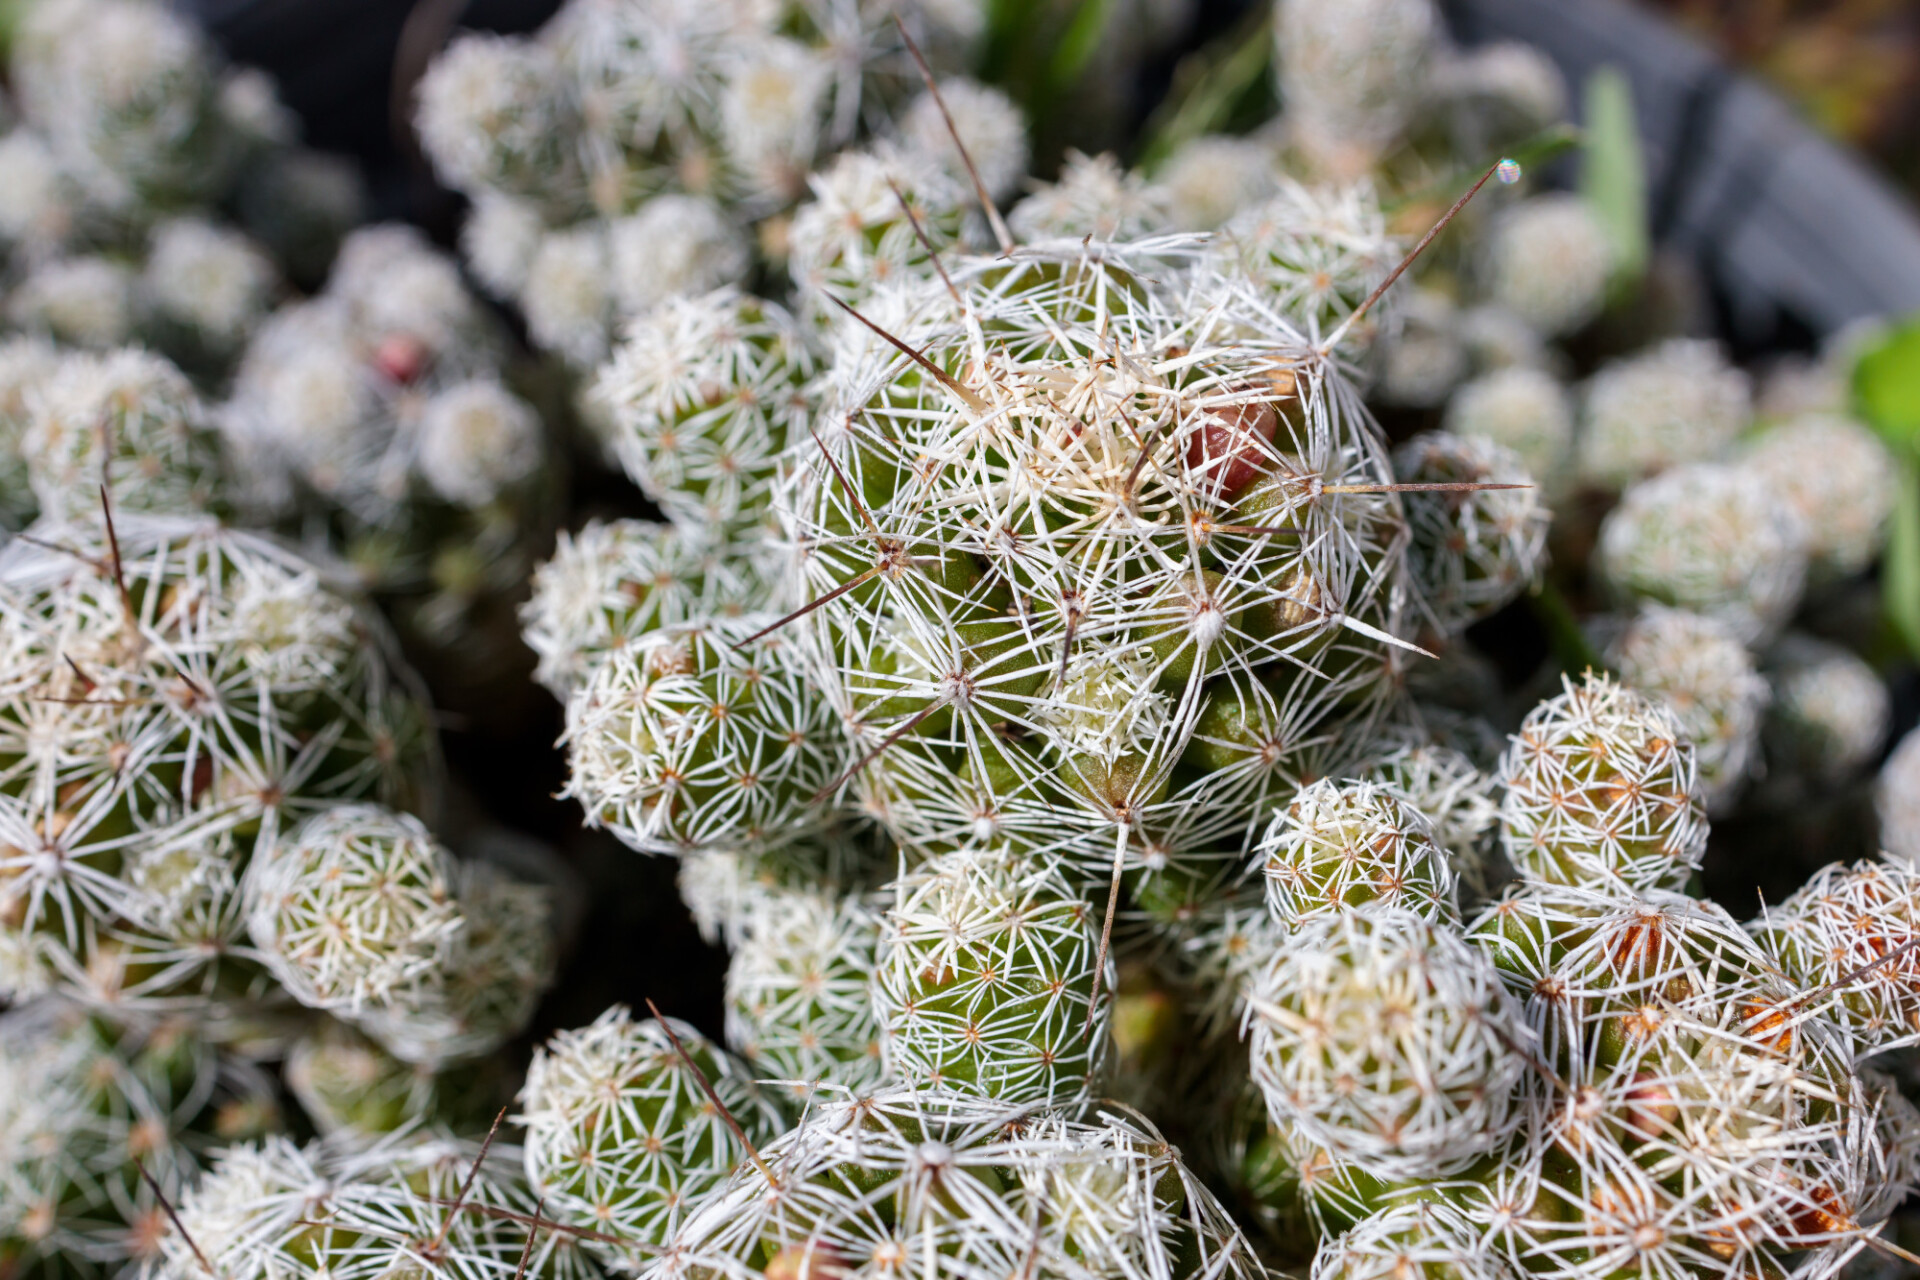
1416,1240
1602,792
1387,1040
1850,935
1692,1081
363,913
1341,845
1678,403
1829,713
614,581
986,982
343,1211
178,696
1841,480
912,1182
1352,75
1458,799
1317,252
1523,409
704,735
1710,537
126,419
622,1138
1699,668
703,396
1034,571
799,1002
1547,260
1473,551
348,1085
1896,800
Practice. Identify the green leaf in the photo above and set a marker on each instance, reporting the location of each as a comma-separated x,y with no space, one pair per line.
1886,388
1078,43
1900,570
1614,178
1209,86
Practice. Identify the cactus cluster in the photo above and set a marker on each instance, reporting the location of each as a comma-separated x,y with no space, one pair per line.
1198,762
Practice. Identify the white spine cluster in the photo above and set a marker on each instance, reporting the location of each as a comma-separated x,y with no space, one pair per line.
1699,668
623,1141
989,125
1841,480
1548,261
1712,538
799,1004
1830,710
1093,197
1896,799
1352,74
1602,791
1840,936
1211,179
986,983
1523,409
966,1193
1472,552
1389,1042
673,246
702,735
1679,402
1342,845
1316,251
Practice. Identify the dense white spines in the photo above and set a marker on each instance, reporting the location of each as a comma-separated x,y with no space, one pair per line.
1339,846
477,441
1836,939
799,1007
989,126
1472,552
700,735
1523,409
354,908
1388,1041
623,1141
1829,713
1839,478
1317,252
613,582
933,1186
1602,792
1676,403
986,983
1708,537
1699,668
1092,198
1352,75
705,395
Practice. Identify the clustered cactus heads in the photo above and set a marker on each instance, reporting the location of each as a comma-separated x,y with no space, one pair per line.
623,1138
989,982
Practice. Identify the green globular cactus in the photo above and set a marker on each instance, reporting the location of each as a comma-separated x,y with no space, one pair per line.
931,1186
1458,798
1679,402
612,582
1316,251
623,1140
855,236
1421,1240
1711,538
179,697
1709,680
705,395
986,982
703,735
1473,551
348,1085
1040,577
1602,790
1390,1042
1548,260
800,1007
1840,479
1341,845
1701,1107
346,1212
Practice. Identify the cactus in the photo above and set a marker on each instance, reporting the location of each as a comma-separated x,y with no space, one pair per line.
1548,260
1522,409
622,1138
1602,790
987,983
1708,679
1342,846
1676,403
1472,552
1839,478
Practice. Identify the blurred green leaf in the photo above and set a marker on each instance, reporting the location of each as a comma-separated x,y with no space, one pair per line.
1614,178
1210,86
1900,570
1886,388
1079,43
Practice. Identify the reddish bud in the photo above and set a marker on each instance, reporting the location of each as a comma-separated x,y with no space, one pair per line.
401,358
1229,449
